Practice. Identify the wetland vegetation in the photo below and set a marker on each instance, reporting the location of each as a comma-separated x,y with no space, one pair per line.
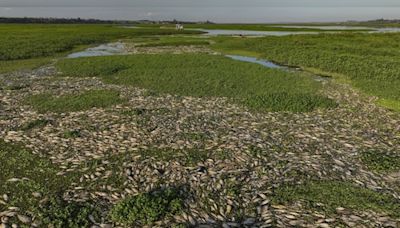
205,76
173,133
367,61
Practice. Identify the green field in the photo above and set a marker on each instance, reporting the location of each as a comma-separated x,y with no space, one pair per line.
205,76
75,102
368,61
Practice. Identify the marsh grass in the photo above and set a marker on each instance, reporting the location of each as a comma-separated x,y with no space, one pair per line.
25,64
367,61
329,195
75,102
203,75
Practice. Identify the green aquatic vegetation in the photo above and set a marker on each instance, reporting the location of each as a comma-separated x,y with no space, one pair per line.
200,75
329,195
381,162
147,208
75,102
367,61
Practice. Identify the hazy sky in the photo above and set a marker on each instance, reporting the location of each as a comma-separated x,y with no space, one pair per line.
215,10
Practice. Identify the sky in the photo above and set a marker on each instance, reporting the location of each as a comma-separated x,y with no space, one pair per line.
200,10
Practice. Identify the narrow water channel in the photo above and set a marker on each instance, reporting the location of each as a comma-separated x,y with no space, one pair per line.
102,50
272,65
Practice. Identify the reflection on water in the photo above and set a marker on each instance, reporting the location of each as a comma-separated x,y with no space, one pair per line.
272,65
228,32
223,32
265,63
102,50
327,27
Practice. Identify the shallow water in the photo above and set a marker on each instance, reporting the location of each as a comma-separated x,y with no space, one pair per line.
265,63
227,32
386,30
272,65
374,30
223,32
102,50
326,27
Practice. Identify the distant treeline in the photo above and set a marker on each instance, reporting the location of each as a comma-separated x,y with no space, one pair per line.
28,20
395,21
34,20
375,23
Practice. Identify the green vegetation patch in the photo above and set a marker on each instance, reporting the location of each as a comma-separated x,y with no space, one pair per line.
329,195
368,61
284,101
189,156
60,213
202,75
75,102
147,208
35,124
381,162
26,64
390,104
